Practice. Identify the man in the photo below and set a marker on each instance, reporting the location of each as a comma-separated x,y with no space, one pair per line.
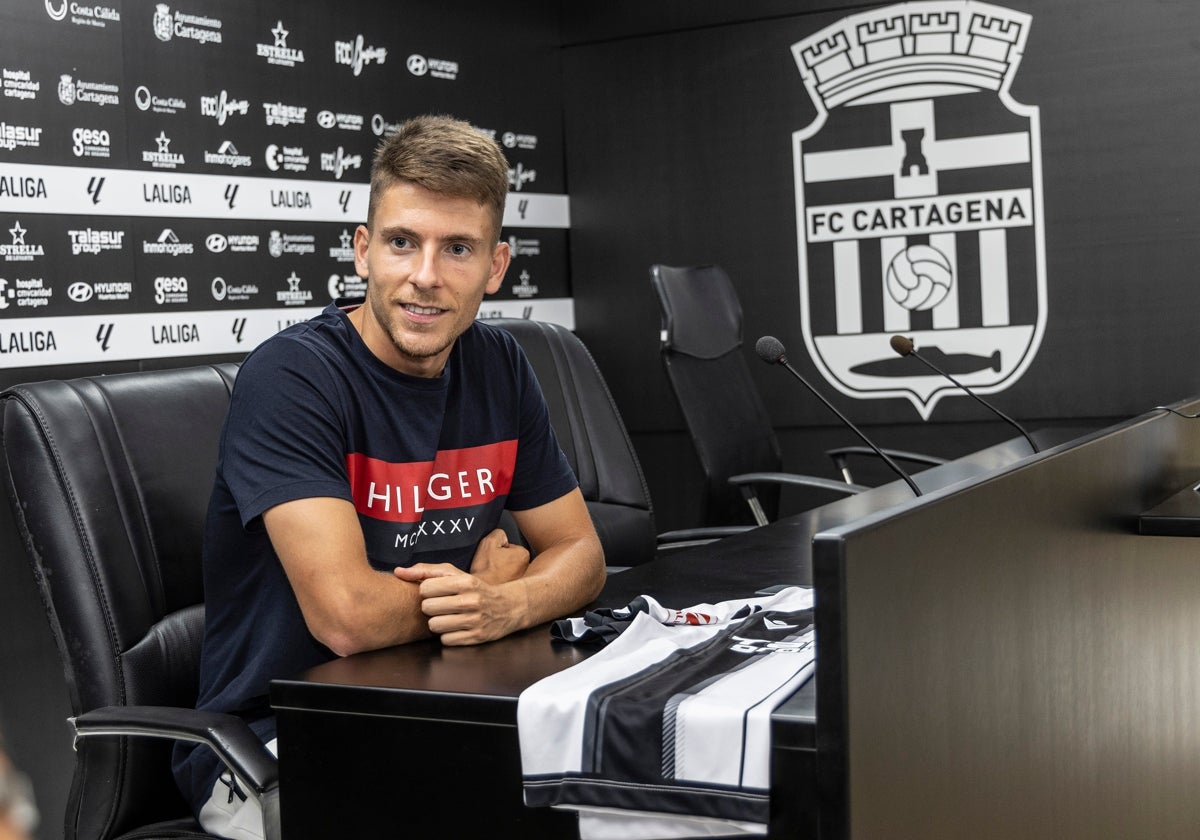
367,457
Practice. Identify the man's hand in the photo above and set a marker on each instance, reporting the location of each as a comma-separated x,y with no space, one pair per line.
463,608
496,561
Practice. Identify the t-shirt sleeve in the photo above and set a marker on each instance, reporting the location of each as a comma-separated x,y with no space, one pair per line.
542,472
284,437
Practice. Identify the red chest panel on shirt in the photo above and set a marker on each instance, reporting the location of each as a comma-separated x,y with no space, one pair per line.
456,478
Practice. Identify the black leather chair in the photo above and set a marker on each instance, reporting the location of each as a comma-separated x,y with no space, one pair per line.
594,438
109,479
701,345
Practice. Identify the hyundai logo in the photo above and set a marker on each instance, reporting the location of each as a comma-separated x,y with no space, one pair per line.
80,292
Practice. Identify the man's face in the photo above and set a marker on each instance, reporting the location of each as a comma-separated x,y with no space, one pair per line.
429,259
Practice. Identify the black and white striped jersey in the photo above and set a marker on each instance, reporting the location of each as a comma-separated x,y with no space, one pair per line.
670,722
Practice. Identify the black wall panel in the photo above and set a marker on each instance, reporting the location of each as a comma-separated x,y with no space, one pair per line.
680,152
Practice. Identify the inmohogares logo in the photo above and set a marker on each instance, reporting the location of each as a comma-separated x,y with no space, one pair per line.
936,229
227,155
168,244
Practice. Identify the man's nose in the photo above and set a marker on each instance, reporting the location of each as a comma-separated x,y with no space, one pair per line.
425,270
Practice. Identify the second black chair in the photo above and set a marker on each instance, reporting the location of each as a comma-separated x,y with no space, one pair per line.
701,344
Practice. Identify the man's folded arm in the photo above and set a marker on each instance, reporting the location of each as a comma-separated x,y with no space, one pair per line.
567,570
348,606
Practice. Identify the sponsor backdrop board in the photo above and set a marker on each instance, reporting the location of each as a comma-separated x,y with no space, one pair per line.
181,180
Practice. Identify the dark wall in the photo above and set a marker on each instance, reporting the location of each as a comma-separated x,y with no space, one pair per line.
680,152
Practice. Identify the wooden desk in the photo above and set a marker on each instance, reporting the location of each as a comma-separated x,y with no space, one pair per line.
422,739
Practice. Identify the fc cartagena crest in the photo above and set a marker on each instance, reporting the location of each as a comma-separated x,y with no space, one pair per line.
919,201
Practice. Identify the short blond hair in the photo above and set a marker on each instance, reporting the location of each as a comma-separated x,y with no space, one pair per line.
446,156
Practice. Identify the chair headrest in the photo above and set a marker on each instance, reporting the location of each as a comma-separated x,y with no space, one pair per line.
701,314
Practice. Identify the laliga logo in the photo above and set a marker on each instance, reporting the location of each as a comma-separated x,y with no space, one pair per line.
926,232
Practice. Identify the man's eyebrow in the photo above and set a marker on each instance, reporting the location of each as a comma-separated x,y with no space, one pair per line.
400,230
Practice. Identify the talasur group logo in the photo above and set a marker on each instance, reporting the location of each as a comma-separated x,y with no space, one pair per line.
919,201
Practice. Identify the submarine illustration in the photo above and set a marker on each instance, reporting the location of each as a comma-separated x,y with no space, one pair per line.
952,363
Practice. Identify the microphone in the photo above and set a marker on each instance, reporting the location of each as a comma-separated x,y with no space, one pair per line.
905,347
770,350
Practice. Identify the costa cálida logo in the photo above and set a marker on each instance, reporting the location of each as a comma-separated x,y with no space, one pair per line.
919,201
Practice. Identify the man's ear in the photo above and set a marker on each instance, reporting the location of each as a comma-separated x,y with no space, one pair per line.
501,256
362,238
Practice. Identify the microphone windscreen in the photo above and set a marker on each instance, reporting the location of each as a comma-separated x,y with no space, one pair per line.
902,344
770,349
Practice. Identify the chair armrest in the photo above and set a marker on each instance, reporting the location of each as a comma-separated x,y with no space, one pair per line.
915,457
746,481
841,456
797,480
685,537
229,736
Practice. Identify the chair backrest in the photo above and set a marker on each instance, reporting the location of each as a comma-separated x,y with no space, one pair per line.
594,438
109,479
702,353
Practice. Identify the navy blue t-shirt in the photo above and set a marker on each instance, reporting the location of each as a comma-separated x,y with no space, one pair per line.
429,464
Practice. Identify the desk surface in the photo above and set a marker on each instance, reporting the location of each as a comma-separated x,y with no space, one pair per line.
491,675
484,681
